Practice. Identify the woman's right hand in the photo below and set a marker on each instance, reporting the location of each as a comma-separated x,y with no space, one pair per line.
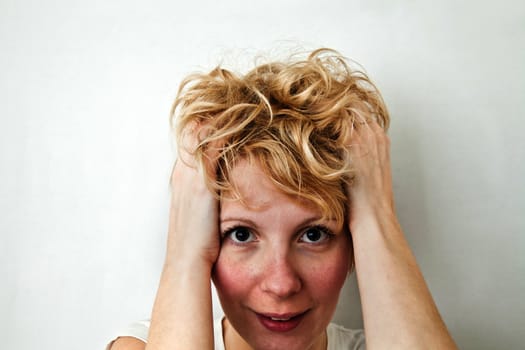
182,314
193,223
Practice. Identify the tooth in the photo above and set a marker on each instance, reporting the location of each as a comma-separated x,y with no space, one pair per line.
279,319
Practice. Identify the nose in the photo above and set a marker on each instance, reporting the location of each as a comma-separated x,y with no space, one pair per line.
280,277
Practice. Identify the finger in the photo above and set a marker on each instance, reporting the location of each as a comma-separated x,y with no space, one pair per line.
201,150
188,144
376,128
213,153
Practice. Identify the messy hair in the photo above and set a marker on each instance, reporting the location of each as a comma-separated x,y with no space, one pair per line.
294,118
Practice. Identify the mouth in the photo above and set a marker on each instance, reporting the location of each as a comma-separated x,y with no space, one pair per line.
281,322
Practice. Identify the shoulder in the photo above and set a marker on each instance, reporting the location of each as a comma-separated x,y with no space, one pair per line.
341,338
134,336
126,343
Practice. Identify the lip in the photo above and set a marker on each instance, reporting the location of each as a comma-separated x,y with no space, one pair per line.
280,322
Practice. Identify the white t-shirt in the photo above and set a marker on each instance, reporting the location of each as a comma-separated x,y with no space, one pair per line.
339,338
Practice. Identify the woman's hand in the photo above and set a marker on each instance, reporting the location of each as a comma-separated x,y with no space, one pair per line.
398,310
370,193
194,225
182,314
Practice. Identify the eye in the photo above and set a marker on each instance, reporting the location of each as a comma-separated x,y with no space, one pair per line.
316,234
240,235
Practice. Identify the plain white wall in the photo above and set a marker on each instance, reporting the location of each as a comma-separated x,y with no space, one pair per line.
85,153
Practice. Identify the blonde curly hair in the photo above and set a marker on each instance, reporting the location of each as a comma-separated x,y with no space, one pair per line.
294,118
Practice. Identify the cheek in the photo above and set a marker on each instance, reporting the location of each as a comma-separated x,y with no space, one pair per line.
331,276
331,273
231,277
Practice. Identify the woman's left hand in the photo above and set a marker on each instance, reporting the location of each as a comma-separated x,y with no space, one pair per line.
371,191
398,310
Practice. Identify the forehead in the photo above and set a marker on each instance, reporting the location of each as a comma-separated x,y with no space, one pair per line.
257,191
261,201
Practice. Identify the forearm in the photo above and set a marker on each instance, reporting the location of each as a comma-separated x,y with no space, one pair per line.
398,309
182,314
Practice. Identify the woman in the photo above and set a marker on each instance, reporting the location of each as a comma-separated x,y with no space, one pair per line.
283,186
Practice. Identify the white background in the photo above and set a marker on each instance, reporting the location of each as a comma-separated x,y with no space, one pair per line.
85,150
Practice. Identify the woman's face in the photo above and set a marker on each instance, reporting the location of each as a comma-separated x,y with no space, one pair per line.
280,269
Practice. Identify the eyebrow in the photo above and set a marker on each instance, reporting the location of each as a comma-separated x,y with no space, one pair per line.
243,220
253,224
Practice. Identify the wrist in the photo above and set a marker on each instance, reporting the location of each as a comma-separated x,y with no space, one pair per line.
189,261
373,219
